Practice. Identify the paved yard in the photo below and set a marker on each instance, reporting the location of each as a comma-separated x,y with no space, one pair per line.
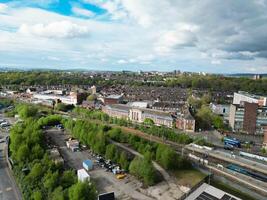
128,188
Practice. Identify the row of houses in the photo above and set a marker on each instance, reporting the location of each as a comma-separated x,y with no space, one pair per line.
183,121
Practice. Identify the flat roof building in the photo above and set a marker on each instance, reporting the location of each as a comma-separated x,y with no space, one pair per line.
206,191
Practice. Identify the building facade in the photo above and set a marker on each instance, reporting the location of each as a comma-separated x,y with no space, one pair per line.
117,110
248,113
186,123
113,99
139,115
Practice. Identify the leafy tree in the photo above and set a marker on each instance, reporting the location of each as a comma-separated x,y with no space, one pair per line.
110,151
144,170
63,107
22,153
51,180
36,173
124,161
204,117
167,157
37,195
58,194
68,178
148,121
91,97
82,191
26,111
218,122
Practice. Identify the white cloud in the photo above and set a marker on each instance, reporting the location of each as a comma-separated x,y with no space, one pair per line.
195,34
3,8
82,12
60,29
216,62
182,36
122,61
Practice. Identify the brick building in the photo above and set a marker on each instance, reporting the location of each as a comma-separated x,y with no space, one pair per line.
186,122
113,99
248,113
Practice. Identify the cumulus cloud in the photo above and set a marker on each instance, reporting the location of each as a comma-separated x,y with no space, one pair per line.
183,36
60,29
171,33
82,12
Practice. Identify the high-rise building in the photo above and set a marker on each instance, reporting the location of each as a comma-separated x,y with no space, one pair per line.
248,113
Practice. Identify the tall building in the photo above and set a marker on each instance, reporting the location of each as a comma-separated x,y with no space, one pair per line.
248,113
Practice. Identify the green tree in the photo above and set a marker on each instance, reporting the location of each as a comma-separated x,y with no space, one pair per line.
82,191
124,161
35,174
22,153
91,97
167,157
143,169
37,195
58,194
218,122
68,178
26,111
51,180
110,151
204,117
149,121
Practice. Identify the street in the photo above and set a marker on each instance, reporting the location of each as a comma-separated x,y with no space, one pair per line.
8,188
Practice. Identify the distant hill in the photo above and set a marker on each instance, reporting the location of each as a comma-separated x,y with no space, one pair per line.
246,75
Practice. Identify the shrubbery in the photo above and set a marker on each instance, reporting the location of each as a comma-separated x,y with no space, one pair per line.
143,168
38,176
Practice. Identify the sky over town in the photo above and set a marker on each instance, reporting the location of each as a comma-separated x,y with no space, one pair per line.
190,35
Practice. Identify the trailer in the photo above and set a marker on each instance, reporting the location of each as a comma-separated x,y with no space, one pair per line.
83,175
88,165
73,145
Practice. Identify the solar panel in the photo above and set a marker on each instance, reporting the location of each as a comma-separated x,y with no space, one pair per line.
206,196
226,197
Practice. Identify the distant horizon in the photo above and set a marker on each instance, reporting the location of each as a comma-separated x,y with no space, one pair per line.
23,69
152,35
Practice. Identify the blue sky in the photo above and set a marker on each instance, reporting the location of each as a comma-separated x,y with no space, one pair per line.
190,35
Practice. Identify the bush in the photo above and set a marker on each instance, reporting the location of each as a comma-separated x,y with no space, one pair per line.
143,169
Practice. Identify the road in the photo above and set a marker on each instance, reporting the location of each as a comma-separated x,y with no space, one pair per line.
8,188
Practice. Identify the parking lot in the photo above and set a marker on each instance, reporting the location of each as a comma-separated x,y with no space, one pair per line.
127,188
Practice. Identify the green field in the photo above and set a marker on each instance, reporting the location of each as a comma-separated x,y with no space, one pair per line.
189,177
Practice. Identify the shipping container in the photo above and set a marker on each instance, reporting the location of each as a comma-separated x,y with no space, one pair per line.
88,164
83,175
